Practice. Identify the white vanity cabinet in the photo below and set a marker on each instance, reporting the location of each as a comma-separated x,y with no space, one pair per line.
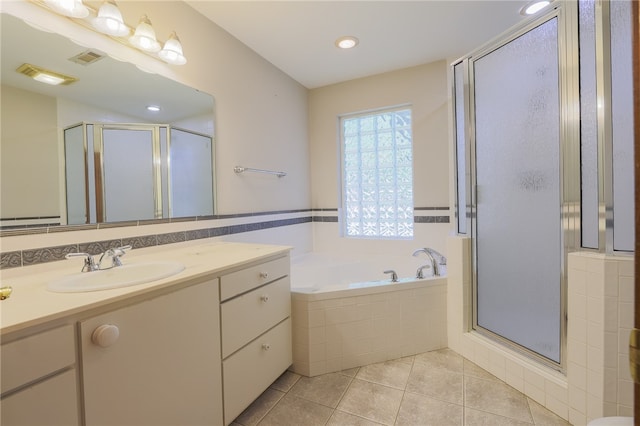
156,362
255,313
39,383
193,351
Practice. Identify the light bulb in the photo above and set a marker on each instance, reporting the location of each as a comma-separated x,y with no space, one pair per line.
144,37
109,20
172,51
71,8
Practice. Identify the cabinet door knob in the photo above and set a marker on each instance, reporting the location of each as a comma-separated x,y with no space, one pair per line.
264,298
105,335
266,346
264,275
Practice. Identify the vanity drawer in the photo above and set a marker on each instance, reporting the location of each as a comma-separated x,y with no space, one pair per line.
28,359
242,281
51,402
247,316
251,370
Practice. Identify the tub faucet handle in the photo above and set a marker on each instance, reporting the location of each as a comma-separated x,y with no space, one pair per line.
419,273
394,276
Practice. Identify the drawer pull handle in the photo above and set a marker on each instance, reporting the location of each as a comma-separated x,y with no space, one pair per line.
264,275
266,346
105,335
264,298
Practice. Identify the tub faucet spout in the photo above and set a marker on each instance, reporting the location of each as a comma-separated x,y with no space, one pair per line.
436,259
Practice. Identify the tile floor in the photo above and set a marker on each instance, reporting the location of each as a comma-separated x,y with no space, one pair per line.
434,388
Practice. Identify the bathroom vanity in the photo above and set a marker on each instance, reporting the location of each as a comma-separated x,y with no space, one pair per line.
195,348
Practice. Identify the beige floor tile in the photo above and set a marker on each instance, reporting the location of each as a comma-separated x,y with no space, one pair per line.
259,408
542,416
443,359
285,381
372,401
340,418
293,411
496,398
481,418
437,383
390,373
424,411
471,369
326,389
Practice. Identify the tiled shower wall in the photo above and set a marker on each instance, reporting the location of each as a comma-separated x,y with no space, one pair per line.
600,315
600,318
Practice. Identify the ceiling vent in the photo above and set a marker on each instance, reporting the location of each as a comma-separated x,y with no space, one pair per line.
87,57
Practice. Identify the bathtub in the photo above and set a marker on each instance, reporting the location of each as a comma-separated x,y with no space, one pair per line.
347,313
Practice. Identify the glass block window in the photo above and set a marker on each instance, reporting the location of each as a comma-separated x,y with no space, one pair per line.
377,175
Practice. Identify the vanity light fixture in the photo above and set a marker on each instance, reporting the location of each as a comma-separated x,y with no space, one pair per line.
534,7
347,42
144,37
172,51
109,20
71,8
44,75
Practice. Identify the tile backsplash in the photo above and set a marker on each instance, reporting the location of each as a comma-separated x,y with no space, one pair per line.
229,224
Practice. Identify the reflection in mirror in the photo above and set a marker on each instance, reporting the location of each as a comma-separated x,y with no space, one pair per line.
44,182
144,172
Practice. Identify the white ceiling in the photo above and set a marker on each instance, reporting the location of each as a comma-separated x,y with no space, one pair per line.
298,36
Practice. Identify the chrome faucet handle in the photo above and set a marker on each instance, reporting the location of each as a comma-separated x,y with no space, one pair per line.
114,254
420,273
394,276
89,262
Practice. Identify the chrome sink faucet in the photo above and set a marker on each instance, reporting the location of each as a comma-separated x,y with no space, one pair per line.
114,254
90,264
435,258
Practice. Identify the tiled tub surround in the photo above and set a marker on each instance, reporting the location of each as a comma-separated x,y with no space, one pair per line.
600,314
47,244
338,327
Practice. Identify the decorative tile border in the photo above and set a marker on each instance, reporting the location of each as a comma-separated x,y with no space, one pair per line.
49,254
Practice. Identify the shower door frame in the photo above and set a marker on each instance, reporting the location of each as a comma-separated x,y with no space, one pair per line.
569,164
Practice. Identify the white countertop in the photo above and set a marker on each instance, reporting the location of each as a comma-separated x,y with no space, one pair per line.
31,304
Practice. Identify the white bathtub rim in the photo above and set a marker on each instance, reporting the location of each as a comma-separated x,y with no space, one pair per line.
376,287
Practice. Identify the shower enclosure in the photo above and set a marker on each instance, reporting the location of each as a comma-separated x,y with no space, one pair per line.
543,144
123,172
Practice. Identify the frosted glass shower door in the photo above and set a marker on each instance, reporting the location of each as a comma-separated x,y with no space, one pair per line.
518,212
129,180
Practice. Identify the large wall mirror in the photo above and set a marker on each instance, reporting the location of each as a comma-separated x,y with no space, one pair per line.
78,141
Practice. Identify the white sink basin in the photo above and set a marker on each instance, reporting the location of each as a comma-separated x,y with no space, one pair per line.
120,276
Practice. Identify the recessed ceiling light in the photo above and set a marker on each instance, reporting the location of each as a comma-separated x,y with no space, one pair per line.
153,108
534,7
347,42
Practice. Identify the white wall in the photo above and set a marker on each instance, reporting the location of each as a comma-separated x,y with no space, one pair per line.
423,87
